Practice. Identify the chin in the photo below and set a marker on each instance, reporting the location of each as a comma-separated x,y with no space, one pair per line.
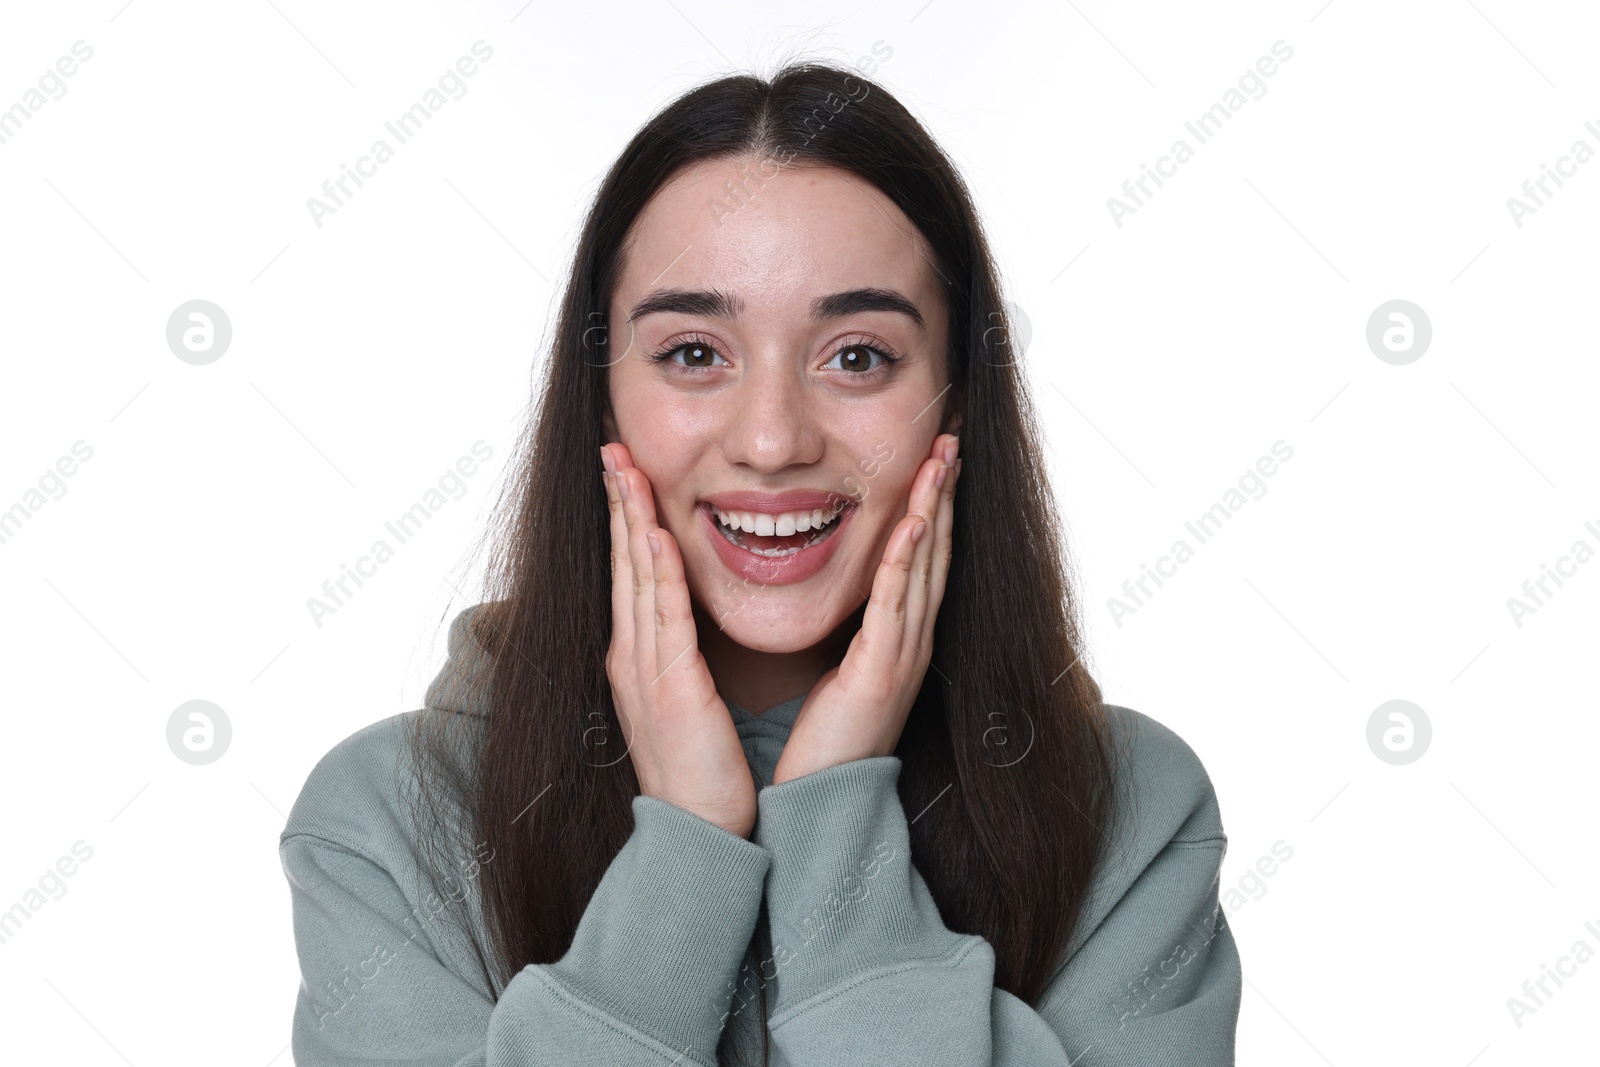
773,618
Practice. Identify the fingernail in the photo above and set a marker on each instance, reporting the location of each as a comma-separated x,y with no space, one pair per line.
622,483
605,458
916,532
655,546
950,448
938,479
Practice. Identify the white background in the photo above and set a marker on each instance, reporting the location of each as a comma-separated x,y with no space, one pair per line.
1167,354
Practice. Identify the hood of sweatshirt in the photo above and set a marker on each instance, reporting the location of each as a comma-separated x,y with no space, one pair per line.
462,686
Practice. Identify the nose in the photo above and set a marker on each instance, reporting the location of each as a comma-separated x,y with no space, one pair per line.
770,421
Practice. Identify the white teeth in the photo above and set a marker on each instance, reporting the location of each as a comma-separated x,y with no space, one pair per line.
781,525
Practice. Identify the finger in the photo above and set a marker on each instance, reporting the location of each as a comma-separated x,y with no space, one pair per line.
640,511
675,635
943,537
925,502
621,568
885,622
620,455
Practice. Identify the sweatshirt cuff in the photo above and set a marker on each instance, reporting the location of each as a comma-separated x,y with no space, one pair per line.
842,895
667,928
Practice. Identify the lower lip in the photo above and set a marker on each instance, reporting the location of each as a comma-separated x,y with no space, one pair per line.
768,570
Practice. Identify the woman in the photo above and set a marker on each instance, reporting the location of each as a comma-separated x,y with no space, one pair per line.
825,782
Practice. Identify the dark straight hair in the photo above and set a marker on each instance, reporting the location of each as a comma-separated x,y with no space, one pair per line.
1008,721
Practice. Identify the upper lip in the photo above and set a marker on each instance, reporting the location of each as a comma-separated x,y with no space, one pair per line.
778,503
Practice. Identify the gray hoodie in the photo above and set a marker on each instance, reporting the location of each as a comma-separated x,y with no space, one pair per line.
858,965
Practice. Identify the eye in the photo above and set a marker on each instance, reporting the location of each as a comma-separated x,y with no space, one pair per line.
856,358
697,352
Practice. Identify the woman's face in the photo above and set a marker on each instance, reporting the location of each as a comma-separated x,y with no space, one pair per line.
775,295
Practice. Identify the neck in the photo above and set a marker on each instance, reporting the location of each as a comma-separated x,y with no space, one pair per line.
759,681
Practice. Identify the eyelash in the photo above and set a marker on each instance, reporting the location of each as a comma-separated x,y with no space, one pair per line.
678,344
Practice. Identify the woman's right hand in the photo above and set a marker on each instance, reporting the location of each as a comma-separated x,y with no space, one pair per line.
680,735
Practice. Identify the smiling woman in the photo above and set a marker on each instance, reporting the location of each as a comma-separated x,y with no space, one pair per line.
780,739
762,355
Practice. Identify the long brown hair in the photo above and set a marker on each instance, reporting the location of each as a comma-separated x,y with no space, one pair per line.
1008,720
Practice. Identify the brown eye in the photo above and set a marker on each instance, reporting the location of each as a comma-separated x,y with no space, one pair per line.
857,358
697,356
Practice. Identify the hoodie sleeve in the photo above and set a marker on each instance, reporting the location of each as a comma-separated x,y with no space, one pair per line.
866,970
648,978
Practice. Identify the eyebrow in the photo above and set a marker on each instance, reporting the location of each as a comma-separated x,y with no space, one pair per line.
718,304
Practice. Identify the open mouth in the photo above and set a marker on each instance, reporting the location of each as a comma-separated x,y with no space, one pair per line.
775,545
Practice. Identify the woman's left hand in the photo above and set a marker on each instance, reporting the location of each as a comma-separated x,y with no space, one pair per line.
858,709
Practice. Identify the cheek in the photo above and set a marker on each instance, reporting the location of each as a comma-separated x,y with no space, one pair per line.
869,462
661,439
888,497
669,485
887,473
671,462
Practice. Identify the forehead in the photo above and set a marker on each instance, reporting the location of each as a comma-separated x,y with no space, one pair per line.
776,237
